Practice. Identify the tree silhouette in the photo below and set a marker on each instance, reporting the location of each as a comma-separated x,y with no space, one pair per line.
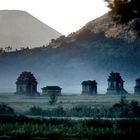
125,10
1,50
9,48
53,98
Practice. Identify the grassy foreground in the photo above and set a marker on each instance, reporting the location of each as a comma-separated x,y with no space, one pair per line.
21,127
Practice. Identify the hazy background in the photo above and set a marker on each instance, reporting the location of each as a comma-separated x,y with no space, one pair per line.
83,55
65,16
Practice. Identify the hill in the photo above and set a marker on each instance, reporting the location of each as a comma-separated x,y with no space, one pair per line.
20,29
100,47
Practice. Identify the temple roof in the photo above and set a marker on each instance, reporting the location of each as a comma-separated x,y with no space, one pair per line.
115,77
51,88
26,78
89,82
138,80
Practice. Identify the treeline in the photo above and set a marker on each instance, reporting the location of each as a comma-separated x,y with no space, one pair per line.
21,127
11,49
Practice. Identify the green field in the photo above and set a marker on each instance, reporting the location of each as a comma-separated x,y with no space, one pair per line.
22,103
25,128
71,117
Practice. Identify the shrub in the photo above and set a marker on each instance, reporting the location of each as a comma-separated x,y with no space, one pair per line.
36,111
6,109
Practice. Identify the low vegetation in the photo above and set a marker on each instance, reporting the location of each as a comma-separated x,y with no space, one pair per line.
6,109
31,128
123,109
120,109
119,121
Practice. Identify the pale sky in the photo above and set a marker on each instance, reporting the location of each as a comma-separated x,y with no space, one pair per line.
65,16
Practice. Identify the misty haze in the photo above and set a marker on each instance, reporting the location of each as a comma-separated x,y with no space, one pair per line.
88,54
85,85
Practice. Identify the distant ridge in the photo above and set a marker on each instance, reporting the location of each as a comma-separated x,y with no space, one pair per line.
20,29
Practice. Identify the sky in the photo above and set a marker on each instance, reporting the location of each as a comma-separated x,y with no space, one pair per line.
65,16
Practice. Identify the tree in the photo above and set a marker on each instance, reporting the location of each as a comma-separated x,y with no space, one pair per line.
123,101
1,50
124,10
135,108
53,98
9,48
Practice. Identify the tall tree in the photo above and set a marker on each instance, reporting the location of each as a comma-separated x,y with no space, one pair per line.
124,9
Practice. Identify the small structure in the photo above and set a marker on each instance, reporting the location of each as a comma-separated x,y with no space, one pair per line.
115,85
137,87
51,90
26,84
89,87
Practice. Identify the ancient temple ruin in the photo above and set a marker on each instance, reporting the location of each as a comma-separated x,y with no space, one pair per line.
115,85
26,84
51,90
137,87
89,87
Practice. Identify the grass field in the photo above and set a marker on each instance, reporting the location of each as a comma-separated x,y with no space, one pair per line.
22,103
25,128
79,124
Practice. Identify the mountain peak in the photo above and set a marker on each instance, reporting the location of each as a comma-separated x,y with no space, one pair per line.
21,29
12,11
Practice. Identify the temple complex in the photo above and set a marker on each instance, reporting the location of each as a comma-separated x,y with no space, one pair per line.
115,85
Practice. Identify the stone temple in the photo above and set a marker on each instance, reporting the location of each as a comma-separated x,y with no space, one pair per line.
137,87
89,87
26,84
51,90
115,85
